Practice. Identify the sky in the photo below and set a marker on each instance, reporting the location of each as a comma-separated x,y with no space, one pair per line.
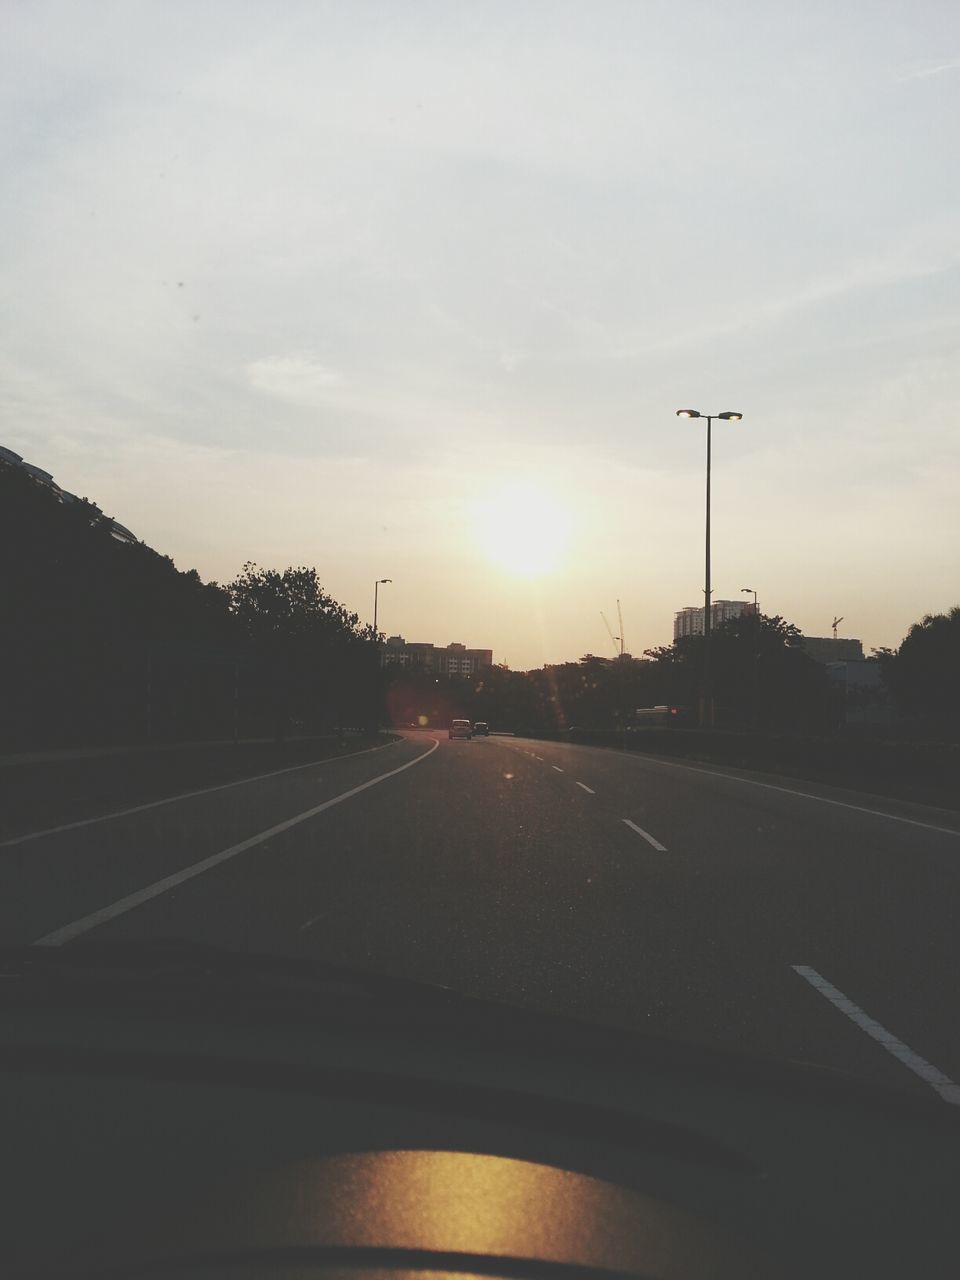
413,291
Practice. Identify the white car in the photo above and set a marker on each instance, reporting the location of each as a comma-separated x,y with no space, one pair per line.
461,729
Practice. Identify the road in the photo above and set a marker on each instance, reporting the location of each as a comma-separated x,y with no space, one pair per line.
689,902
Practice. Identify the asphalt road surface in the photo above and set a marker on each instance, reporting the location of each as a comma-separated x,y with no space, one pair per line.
686,901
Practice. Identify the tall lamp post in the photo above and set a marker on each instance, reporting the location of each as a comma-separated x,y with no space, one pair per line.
376,635
706,687
755,710
376,588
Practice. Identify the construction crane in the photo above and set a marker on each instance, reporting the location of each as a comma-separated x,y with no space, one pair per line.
836,622
623,641
613,638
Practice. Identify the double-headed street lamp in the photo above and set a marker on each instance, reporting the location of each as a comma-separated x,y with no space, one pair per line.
706,692
376,588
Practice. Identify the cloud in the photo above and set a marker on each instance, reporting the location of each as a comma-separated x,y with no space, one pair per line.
298,377
930,69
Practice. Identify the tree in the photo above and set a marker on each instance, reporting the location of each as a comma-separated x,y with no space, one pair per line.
91,627
924,672
314,662
104,640
766,677
761,675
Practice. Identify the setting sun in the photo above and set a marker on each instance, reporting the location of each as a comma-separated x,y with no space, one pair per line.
523,529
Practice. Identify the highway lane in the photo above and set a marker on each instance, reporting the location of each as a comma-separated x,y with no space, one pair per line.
60,875
506,868
864,892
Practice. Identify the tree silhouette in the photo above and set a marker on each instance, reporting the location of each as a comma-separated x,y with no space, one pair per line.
104,640
924,672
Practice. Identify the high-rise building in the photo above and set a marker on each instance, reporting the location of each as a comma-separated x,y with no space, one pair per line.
453,660
689,621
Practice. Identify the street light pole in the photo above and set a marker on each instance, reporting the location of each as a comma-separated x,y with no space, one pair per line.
755,711
706,693
706,709
376,588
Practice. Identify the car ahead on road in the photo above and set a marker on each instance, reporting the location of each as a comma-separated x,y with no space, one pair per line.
329,1122
461,729
481,729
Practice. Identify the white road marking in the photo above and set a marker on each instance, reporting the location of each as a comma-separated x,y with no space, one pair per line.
540,758
586,788
646,835
927,1072
805,795
77,927
184,795
557,767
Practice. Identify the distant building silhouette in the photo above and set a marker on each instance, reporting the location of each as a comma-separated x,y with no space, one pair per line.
453,660
689,621
826,649
863,698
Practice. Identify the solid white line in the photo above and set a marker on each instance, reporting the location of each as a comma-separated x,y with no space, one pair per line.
947,1090
123,905
184,795
586,788
557,767
804,795
646,835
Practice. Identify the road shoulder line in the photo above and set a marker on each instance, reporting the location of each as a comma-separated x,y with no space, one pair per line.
806,795
73,930
767,786
187,795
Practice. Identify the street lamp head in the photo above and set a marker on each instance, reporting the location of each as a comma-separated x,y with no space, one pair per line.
384,579
730,417
688,413
749,590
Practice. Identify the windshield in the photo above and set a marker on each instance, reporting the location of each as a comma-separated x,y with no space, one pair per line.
584,375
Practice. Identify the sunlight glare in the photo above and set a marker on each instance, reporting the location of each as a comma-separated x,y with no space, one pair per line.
523,529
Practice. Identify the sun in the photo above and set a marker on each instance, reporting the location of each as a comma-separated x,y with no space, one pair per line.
523,528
